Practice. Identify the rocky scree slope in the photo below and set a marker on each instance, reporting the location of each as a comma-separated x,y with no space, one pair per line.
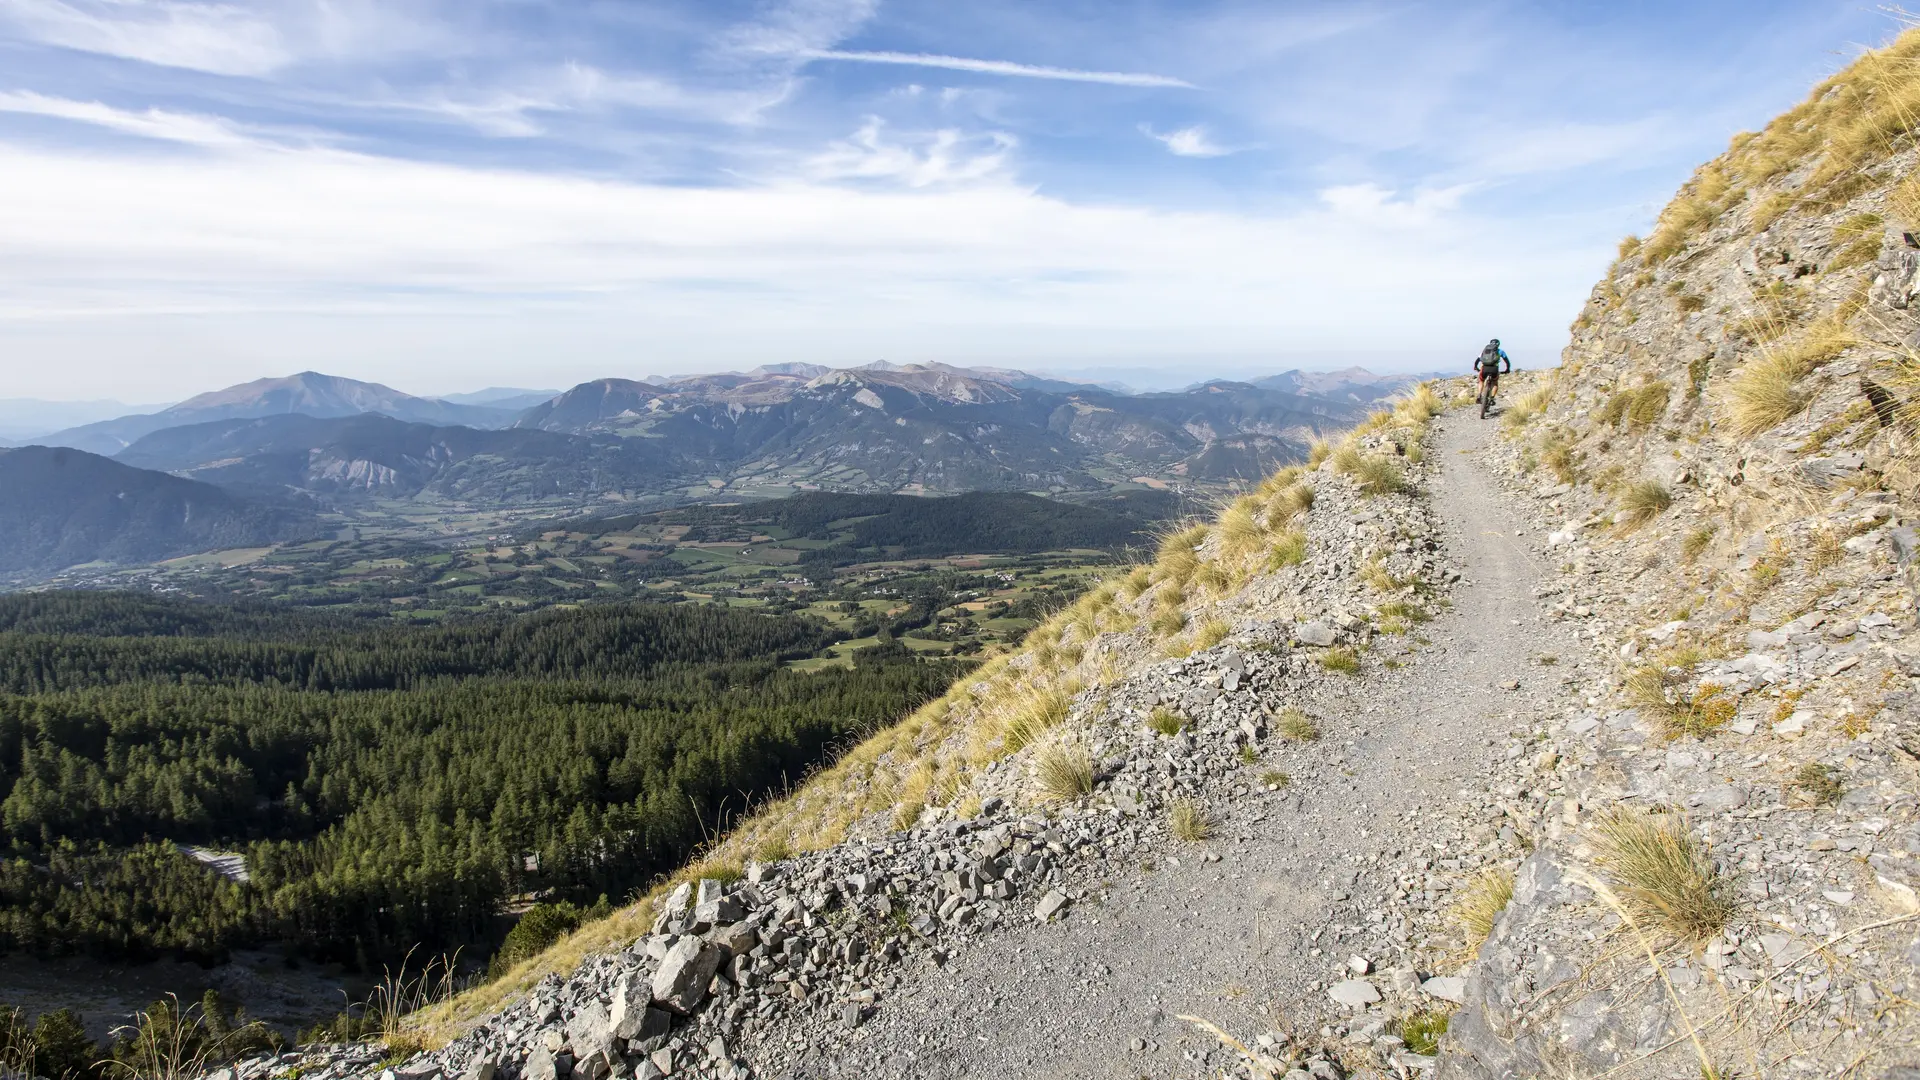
1139,749
1724,469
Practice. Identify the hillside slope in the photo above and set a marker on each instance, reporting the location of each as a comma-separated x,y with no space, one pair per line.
61,507
341,458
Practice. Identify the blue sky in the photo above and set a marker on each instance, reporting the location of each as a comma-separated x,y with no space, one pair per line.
442,196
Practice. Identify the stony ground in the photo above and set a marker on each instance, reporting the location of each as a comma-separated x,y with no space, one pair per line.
1307,878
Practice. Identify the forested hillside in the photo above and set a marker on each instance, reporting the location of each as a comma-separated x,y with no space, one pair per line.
387,785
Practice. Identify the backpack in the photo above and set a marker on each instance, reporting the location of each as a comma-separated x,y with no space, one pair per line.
1489,359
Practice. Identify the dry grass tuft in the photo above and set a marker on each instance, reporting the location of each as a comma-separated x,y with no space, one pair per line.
1661,691
1696,542
1662,874
1240,530
1026,717
1642,502
1064,771
1318,453
1189,820
1764,394
1289,549
1341,658
1477,906
1521,411
1294,724
1167,722
1211,633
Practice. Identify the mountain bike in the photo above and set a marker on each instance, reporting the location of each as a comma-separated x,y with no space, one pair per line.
1485,397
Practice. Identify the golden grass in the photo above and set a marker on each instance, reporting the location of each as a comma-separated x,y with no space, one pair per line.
1764,394
1295,724
1696,542
1211,633
1828,549
1021,720
1662,874
1063,771
1136,583
1341,658
1190,820
1167,722
1318,453
1290,502
1662,691
1289,549
1642,502
1476,907
1240,530
1521,411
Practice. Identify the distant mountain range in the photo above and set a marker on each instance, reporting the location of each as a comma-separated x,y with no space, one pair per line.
346,457
24,420
308,393
243,465
60,507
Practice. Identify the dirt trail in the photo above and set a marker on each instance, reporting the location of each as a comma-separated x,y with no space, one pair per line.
1251,941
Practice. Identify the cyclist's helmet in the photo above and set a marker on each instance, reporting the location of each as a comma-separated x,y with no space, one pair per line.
1495,341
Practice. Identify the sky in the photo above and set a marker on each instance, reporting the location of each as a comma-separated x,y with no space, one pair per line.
442,196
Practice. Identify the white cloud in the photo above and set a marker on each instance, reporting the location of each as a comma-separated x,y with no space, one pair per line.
1378,206
1189,142
316,253
190,128
941,158
999,67
217,38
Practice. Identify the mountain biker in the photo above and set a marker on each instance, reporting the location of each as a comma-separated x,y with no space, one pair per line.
1487,364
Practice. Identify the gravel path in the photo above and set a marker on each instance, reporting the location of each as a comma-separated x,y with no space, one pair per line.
1251,941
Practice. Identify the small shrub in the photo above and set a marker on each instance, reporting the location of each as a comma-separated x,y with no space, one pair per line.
1167,722
1190,821
1294,724
1422,1030
1064,772
1289,549
1642,502
1273,778
539,927
1662,874
1477,906
1818,783
1341,658
1248,755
